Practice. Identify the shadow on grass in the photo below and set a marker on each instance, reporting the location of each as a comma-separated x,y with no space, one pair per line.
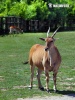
64,92
67,92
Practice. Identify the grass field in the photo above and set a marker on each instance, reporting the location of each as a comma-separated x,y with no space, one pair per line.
15,77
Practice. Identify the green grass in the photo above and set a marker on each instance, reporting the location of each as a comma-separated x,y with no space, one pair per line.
15,77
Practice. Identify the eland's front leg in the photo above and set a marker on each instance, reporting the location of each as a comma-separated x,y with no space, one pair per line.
54,79
47,81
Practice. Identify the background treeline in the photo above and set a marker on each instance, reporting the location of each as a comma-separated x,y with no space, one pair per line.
39,10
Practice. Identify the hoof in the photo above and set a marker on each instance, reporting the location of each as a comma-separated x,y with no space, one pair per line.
48,90
41,88
55,91
30,87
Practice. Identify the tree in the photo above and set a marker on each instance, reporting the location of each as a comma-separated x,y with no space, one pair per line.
42,11
38,9
34,10
71,14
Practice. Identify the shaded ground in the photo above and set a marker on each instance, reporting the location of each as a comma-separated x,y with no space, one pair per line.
65,95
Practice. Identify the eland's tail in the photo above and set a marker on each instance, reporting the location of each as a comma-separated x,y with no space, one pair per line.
26,62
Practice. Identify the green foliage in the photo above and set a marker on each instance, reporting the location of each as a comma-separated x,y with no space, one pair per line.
23,10
72,7
37,9
18,9
71,13
41,9
58,12
2,8
30,12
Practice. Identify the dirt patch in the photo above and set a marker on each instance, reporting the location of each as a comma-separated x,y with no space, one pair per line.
1,78
3,89
22,87
69,79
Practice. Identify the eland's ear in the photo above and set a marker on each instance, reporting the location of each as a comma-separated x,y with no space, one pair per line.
42,39
54,39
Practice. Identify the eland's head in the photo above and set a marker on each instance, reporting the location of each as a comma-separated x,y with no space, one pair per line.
50,39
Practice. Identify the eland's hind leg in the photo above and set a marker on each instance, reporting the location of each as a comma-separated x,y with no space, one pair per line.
32,75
